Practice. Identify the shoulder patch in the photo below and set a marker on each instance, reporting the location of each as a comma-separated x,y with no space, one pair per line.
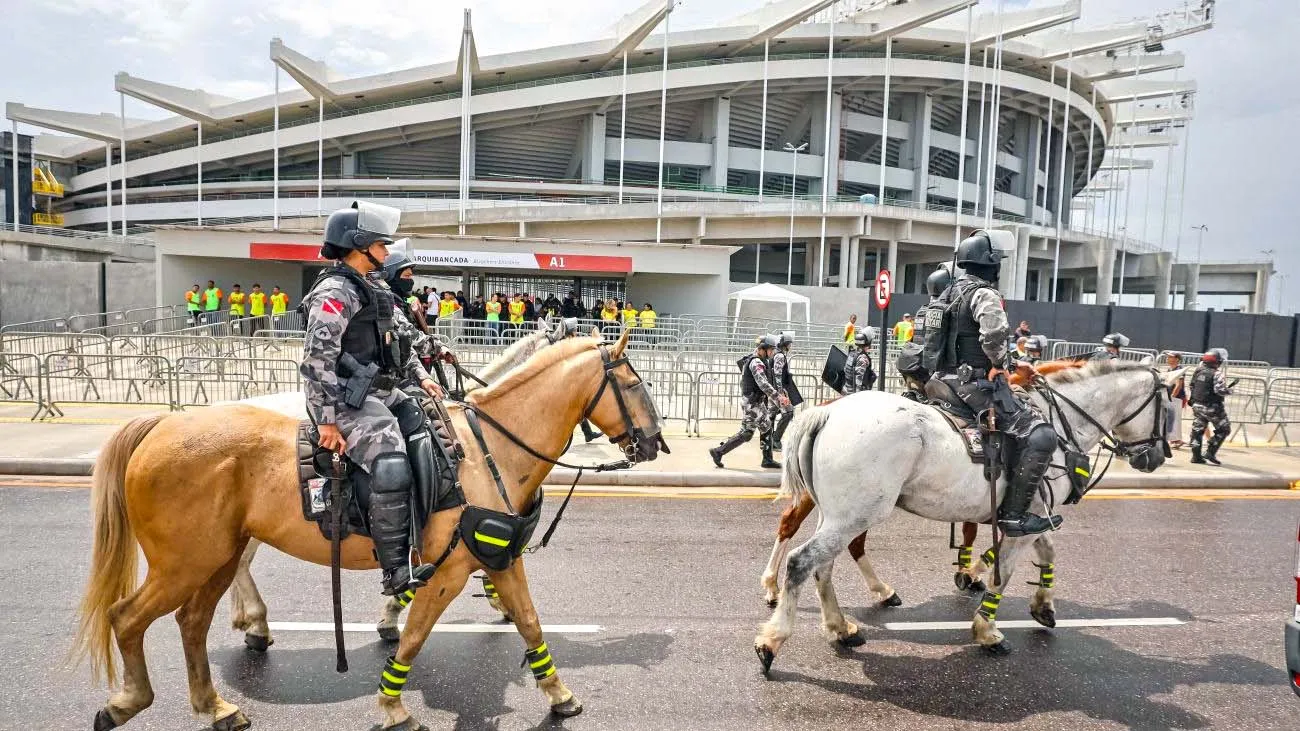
332,306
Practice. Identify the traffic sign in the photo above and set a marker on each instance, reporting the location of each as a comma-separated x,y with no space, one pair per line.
884,288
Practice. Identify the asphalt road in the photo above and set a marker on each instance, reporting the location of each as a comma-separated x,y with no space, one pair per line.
673,586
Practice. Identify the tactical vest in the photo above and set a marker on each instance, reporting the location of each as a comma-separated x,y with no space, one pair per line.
919,324
371,335
748,385
1203,388
952,332
787,379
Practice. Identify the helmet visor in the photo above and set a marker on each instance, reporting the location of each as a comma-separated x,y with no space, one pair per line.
400,247
377,219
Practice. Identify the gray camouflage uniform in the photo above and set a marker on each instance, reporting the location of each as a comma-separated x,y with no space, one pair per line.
780,364
1204,415
371,430
858,371
756,410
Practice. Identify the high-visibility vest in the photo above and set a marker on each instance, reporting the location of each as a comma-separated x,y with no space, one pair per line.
257,304
192,300
493,311
447,307
903,332
648,318
279,303
237,303
849,330
629,318
212,299
609,315
516,312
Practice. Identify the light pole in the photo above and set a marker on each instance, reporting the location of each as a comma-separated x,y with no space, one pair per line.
1200,239
794,186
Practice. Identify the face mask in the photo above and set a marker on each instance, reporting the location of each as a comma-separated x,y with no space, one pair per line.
403,287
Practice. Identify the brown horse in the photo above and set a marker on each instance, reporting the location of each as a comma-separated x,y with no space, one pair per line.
969,573
191,492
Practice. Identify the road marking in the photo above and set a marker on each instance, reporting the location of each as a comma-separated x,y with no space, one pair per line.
1030,624
477,629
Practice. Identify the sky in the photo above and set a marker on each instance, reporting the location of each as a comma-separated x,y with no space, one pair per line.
1243,159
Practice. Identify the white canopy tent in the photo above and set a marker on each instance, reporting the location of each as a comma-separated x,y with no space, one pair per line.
767,292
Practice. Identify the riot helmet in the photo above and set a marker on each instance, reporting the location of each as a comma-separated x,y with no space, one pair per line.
938,281
358,227
1115,340
1215,357
862,339
981,256
1034,344
786,339
768,341
395,263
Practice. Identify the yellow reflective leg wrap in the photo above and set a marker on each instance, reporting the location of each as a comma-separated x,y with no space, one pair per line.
989,605
394,677
489,588
988,557
963,557
539,661
1046,575
406,597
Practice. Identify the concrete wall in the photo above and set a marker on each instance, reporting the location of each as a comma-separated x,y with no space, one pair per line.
180,273
39,290
676,294
129,286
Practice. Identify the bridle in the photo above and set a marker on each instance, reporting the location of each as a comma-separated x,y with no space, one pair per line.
1133,450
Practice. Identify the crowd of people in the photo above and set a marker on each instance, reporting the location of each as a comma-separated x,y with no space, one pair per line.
500,311
206,306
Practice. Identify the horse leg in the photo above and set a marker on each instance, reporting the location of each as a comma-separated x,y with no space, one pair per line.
834,623
791,518
430,602
195,619
513,587
984,628
816,553
1042,608
967,577
247,610
390,615
982,565
882,592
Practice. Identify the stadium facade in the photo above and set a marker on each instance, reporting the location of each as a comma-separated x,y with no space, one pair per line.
570,151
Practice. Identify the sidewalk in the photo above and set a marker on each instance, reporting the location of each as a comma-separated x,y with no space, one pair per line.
69,446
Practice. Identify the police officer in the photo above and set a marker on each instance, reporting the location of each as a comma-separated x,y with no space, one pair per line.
399,274
935,284
353,360
1034,348
1208,389
969,354
858,373
1110,347
757,391
783,379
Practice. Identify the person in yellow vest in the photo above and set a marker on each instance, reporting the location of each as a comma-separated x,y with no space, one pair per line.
609,318
904,330
629,315
649,319
447,306
193,304
257,309
850,329
211,302
279,306
238,302
492,310
517,308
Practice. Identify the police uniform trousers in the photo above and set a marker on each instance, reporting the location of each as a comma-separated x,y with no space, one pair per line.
372,429
1204,415
755,415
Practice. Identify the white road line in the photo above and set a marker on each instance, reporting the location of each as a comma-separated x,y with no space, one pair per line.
1030,624
563,629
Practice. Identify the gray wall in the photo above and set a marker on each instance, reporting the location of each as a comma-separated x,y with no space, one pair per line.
129,286
676,294
40,290
182,272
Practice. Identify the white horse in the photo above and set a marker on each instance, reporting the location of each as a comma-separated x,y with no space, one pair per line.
248,610
905,454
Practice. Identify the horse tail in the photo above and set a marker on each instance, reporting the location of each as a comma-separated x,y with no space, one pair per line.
796,473
114,556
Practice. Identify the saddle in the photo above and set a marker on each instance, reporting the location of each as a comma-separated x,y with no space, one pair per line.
316,469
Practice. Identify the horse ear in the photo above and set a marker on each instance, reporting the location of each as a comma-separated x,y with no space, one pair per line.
621,344
541,324
595,332
1173,376
1148,360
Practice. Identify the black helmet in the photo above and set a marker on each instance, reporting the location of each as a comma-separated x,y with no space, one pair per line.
787,338
395,263
359,226
861,337
938,281
978,250
768,341
1115,340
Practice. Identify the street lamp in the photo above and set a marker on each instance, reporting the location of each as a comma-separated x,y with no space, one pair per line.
794,186
1200,239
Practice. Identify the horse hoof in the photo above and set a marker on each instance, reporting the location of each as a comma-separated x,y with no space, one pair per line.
977,587
1001,649
257,643
766,657
410,724
389,634
1045,616
104,720
567,709
236,721
893,600
771,603
854,640
962,580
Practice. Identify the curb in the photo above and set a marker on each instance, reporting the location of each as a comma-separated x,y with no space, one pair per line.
46,466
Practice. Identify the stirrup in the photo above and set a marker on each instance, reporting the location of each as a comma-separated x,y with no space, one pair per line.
1028,525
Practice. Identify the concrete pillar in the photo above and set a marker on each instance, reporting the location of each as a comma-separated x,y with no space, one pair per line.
855,261
593,157
819,146
1192,289
1105,271
1164,279
892,265
720,128
1029,139
809,265
845,274
348,167
1259,303
916,153
1044,293
1022,263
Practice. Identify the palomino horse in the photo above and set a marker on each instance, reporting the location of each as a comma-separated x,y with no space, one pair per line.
905,456
248,610
968,572
191,493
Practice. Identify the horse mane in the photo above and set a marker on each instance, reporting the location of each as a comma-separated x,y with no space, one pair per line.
514,356
539,362
1091,369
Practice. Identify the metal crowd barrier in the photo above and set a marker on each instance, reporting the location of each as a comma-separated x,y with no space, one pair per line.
1065,349
1282,404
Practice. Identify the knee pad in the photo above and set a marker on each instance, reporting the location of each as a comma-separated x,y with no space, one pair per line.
410,417
1041,439
390,472
746,434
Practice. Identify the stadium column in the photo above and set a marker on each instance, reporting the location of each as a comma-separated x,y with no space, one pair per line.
1192,287
844,262
819,146
1028,135
1022,263
917,149
1164,273
720,123
593,162
892,266
1105,270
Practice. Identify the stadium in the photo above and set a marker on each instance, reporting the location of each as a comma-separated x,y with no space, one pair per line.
679,165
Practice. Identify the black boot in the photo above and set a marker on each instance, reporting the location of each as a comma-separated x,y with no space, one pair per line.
390,523
782,422
718,452
1014,517
587,432
768,462
1196,453
1212,454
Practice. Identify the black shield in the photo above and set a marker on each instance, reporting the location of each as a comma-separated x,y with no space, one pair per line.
833,370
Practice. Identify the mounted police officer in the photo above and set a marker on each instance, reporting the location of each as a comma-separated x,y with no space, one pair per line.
757,392
399,274
1034,348
968,354
858,373
935,284
1111,345
783,379
353,360
1208,389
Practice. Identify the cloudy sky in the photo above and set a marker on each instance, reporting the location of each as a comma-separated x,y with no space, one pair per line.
1242,167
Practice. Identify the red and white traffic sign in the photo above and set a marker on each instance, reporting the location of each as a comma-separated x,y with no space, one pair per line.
884,288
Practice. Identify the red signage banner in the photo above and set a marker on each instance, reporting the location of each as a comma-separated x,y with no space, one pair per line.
464,259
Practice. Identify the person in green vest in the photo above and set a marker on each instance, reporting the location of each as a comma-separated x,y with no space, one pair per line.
211,302
193,305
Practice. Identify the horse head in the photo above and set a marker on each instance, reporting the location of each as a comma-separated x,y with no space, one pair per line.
623,408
